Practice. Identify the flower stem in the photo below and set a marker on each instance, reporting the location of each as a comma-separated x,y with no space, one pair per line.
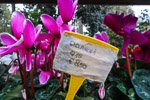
49,59
32,83
52,58
25,80
134,61
56,72
128,63
135,64
61,78
46,66
20,66
35,57
92,89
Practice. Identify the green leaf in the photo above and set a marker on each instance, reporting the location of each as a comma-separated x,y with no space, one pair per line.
59,97
132,94
48,92
16,79
19,98
113,93
2,83
36,81
141,83
75,98
2,69
9,87
122,88
1,95
13,93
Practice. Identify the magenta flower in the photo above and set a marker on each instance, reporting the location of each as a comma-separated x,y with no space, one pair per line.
55,28
101,36
11,43
120,24
39,61
101,92
44,76
30,35
142,52
17,20
13,69
26,40
51,25
67,9
124,25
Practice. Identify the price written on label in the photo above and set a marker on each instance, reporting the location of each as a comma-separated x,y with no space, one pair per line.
75,59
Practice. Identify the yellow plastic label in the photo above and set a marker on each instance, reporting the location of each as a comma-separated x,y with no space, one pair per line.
74,85
84,58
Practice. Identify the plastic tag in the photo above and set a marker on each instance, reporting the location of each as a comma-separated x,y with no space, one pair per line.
84,58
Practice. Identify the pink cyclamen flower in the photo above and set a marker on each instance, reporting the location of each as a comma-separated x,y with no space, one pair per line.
55,28
44,77
124,25
24,43
67,9
101,36
30,35
13,69
101,92
17,20
51,25
11,43
24,94
142,52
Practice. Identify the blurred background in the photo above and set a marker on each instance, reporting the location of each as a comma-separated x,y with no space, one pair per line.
88,19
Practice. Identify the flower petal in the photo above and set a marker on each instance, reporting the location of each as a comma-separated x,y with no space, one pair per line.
43,36
44,45
29,33
13,69
66,9
8,39
72,28
101,92
129,21
13,47
147,32
49,23
38,28
59,21
14,56
64,27
44,77
28,60
137,38
74,7
101,36
17,20
125,44
6,59
22,55
113,21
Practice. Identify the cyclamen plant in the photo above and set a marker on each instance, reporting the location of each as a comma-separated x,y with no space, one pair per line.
39,60
26,36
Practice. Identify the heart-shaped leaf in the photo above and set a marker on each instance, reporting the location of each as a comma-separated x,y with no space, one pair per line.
141,83
11,93
48,92
62,95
